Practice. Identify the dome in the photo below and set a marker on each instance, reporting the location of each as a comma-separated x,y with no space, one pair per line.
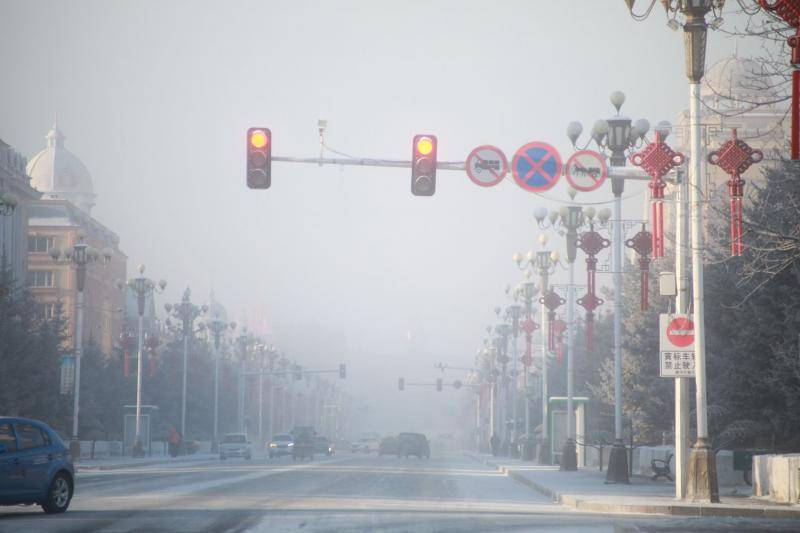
58,173
736,82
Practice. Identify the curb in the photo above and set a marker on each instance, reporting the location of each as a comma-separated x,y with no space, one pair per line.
677,509
94,468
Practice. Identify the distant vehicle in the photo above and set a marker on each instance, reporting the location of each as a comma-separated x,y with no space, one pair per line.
235,445
323,445
280,445
303,443
415,444
389,446
365,446
35,466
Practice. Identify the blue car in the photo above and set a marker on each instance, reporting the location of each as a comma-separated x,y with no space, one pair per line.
35,466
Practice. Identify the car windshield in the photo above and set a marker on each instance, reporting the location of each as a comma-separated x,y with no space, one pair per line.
234,439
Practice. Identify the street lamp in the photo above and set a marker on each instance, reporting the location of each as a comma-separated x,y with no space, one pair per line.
186,312
8,203
544,262
216,327
702,482
242,341
142,288
79,256
514,312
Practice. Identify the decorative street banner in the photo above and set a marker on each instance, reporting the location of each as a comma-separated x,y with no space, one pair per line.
676,346
67,374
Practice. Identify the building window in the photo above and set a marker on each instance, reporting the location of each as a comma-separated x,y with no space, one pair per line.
41,278
40,243
45,311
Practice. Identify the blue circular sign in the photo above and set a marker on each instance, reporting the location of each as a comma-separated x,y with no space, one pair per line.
536,167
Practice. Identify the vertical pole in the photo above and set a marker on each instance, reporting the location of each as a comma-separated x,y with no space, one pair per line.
186,326
681,306
795,109
544,448
569,459
241,394
137,443
514,383
478,421
617,461
703,484
271,406
75,445
260,408
216,392
527,403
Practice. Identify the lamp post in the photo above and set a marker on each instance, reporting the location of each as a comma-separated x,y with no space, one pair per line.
80,256
242,341
186,312
702,480
216,326
618,136
142,288
503,331
514,313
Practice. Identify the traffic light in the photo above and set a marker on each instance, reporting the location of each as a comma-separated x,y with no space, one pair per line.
423,165
259,158
401,384
438,384
342,371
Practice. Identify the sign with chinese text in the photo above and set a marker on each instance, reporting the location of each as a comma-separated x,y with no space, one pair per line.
676,346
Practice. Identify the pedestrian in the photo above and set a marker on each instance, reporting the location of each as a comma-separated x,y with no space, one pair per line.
495,444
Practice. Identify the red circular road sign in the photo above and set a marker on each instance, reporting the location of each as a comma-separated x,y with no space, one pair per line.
680,332
536,167
586,170
486,165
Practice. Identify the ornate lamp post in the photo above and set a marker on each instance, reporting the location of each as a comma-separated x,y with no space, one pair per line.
186,312
514,314
142,288
216,326
80,256
702,477
243,342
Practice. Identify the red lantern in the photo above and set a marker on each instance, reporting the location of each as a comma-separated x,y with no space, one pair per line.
657,159
552,301
592,243
735,157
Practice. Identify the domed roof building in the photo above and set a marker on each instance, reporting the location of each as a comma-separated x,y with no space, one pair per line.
59,174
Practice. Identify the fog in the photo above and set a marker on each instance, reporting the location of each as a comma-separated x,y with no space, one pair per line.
337,264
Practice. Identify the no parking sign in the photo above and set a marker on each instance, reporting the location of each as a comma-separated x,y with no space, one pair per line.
536,166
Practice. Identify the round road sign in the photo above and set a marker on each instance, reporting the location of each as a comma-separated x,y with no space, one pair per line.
680,332
586,170
536,166
457,384
487,165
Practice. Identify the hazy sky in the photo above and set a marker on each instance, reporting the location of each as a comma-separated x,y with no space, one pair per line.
155,97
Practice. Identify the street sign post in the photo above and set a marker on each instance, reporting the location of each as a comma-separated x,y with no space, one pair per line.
586,170
676,346
536,167
486,165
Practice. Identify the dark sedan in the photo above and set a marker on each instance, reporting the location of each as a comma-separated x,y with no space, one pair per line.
35,466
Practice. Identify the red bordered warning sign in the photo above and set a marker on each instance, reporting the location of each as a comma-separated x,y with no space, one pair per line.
586,170
487,165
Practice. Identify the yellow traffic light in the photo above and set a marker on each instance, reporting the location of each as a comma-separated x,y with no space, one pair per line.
258,139
424,145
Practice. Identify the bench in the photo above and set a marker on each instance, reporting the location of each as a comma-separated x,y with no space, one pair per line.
661,468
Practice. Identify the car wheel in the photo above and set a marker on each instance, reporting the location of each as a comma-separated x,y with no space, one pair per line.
58,495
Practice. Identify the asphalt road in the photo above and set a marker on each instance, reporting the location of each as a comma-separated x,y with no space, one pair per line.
450,493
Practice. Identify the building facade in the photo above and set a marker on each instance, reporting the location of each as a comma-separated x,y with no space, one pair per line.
61,219
16,193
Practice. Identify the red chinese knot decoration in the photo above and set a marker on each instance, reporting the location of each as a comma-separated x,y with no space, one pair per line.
789,11
552,301
657,159
559,327
735,157
642,244
591,243
528,326
151,343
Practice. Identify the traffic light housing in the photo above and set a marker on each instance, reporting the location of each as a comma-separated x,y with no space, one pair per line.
423,165
401,384
438,384
342,371
259,158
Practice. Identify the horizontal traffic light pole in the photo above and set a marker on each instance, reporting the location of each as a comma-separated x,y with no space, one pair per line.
293,372
619,173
